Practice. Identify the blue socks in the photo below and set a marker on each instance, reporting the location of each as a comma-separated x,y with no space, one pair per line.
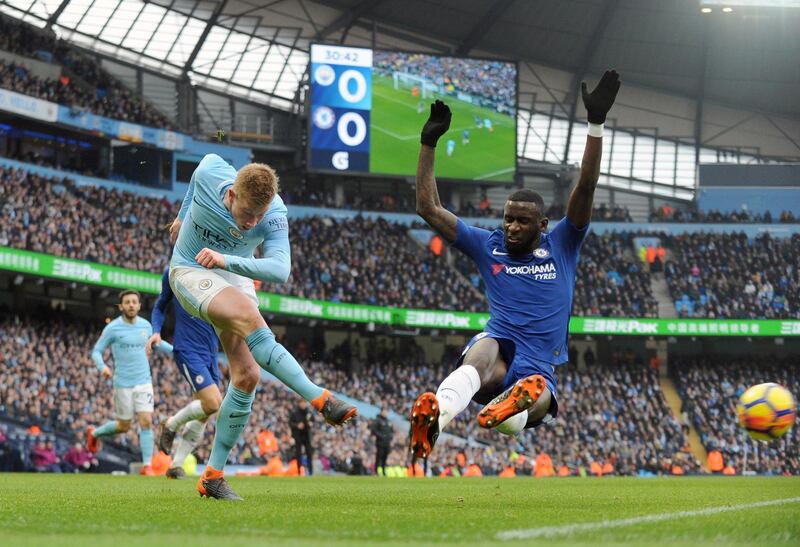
108,429
146,444
273,357
231,420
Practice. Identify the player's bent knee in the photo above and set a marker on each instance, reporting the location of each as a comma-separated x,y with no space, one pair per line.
123,426
247,378
145,421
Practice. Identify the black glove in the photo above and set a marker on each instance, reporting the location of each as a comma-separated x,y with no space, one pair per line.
437,125
599,101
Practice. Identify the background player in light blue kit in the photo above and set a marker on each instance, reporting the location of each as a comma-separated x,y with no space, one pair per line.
529,276
133,386
195,350
225,215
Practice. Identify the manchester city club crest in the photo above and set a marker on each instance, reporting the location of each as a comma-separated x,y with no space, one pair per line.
541,253
235,233
205,284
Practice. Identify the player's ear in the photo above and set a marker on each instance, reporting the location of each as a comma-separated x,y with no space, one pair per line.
543,224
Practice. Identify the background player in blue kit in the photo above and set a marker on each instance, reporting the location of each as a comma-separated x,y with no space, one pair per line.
195,349
529,276
133,385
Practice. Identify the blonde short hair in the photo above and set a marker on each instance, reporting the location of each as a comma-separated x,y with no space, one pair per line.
256,183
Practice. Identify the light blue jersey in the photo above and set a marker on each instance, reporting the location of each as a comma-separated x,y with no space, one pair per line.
127,341
208,223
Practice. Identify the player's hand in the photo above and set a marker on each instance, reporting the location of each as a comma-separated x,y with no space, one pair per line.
174,228
601,99
152,342
106,372
210,259
437,125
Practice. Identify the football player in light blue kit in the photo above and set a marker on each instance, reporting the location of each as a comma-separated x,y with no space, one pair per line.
133,386
530,278
225,215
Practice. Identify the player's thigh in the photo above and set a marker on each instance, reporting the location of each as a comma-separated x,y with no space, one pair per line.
143,401
245,372
123,404
226,300
485,356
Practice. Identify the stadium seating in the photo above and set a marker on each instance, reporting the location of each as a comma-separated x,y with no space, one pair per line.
729,276
710,388
612,414
97,91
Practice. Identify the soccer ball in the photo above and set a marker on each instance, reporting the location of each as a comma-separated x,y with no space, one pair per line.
766,411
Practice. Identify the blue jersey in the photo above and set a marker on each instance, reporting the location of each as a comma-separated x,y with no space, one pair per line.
127,341
208,223
530,296
192,335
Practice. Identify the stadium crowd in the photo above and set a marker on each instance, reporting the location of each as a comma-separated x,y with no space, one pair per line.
709,274
490,81
666,213
710,388
727,275
83,83
621,424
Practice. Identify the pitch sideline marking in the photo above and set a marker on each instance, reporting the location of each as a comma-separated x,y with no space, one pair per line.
553,531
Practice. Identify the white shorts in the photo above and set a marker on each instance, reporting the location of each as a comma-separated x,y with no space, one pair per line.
195,288
130,400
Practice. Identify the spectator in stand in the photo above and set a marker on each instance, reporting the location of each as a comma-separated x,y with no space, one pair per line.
105,95
79,460
728,275
44,457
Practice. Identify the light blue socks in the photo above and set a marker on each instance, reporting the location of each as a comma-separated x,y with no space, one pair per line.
231,420
146,444
108,429
274,358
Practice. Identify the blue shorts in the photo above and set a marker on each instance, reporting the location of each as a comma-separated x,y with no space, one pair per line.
519,367
200,369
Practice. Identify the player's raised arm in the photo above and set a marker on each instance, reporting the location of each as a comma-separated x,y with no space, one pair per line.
597,103
428,205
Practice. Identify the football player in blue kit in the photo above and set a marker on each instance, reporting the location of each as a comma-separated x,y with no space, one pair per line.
195,349
529,275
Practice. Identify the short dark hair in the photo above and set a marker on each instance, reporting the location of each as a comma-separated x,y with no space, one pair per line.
126,292
524,194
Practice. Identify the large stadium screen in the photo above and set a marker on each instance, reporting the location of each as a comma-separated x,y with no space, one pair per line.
368,106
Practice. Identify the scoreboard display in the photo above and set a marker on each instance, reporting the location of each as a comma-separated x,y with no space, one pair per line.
367,109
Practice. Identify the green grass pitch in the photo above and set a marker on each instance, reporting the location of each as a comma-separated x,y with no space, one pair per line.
395,128
99,510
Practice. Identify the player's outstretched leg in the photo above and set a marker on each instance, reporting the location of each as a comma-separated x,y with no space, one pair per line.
94,434
275,359
518,398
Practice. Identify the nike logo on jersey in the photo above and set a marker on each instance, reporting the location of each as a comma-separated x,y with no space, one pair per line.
495,252
238,414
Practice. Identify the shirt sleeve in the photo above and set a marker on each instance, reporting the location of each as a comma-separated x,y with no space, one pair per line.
187,199
567,237
165,347
106,338
470,240
276,263
160,307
